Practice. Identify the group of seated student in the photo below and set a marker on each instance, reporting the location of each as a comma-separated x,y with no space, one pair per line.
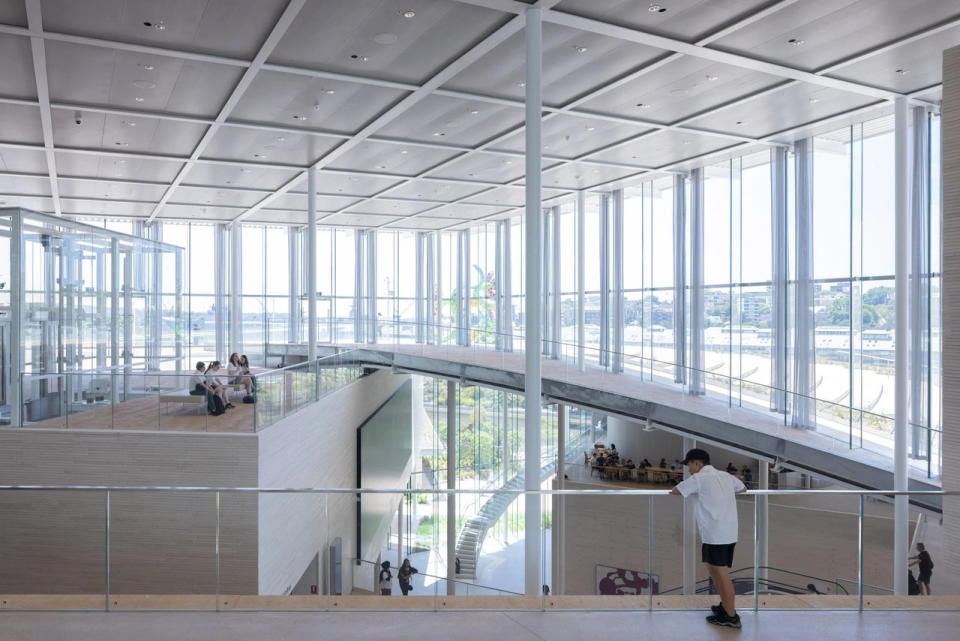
744,474
206,379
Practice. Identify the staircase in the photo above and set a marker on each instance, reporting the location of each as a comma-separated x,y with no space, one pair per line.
470,540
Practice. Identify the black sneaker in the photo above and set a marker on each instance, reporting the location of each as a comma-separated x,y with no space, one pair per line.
717,609
724,620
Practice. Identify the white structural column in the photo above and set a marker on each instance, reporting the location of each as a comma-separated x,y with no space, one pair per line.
803,414
295,288
153,231
689,533
696,281
128,260
534,284
419,290
370,283
555,289
507,286
581,281
451,485
114,315
219,288
466,271
17,307
604,255
236,288
359,307
901,515
616,306
430,286
559,523
780,271
919,308
310,264
763,477
679,281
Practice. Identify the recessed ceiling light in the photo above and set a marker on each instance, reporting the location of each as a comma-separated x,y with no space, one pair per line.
589,127
359,57
644,105
244,170
329,92
507,162
279,138
381,166
521,84
386,39
404,151
146,66
139,98
409,13
741,122
902,72
259,155
159,25
474,112
299,117
580,49
129,123
122,144
438,133
814,101
655,8
711,77
796,42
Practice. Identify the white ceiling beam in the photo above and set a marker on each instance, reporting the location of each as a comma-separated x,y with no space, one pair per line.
37,48
279,29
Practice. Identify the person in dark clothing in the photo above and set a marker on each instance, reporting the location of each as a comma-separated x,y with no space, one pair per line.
913,588
925,568
404,575
386,576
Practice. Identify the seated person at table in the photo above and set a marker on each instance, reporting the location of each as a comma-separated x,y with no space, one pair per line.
629,464
197,383
645,463
663,462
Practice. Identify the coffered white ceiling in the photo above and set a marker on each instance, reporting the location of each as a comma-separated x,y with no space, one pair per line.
412,110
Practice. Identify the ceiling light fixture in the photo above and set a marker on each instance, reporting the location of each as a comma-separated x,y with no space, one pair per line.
656,8
644,105
279,138
129,123
580,49
438,133
139,98
589,127
404,151
902,72
122,144
359,57
521,84
409,13
814,101
741,122
259,155
711,77
796,42
146,66
299,117
329,92
474,112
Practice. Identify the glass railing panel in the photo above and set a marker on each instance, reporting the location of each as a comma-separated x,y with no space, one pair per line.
812,549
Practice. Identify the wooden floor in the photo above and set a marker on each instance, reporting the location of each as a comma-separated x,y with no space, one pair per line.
149,414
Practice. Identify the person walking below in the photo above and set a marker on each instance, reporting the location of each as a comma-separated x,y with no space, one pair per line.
404,576
925,569
716,510
385,578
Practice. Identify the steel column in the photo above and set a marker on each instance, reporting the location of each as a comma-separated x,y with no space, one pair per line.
616,335
689,533
17,305
902,347
679,281
697,383
451,485
534,287
780,271
311,264
295,289
581,281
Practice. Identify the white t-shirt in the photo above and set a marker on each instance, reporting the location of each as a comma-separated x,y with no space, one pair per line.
196,379
213,379
716,504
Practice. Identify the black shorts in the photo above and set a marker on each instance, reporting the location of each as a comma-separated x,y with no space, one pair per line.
924,577
719,555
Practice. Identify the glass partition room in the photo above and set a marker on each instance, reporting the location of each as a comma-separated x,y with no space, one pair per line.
86,314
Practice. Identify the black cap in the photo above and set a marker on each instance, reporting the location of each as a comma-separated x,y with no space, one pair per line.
696,454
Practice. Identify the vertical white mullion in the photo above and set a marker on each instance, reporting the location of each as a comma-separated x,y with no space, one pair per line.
779,274
617,270
507,287
359,308
219,288
581,280
373,324
803,342
604,256
311,263
697,383
418,293
557,289
293,303
679,279
919,283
